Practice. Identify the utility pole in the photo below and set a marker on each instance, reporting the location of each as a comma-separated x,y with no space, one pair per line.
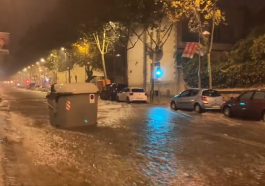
152,71
210,47
68,68
199,67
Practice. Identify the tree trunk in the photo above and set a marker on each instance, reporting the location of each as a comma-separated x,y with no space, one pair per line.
210,49
89,73
209,69
125,65
104,69
54,78
152,78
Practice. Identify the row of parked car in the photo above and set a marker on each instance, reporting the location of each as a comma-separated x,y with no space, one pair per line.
121,92
34,87
250,104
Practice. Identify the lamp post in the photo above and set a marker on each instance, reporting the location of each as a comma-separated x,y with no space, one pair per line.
68,68
204,34
199,68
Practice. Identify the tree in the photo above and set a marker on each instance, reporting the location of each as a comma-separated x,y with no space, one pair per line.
53,63
201,14
104,41
86,55
157,28
248,53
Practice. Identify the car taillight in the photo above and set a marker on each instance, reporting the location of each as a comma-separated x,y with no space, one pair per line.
146,94
131,94
204,98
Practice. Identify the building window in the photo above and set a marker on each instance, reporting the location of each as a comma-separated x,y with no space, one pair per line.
224,34
187,35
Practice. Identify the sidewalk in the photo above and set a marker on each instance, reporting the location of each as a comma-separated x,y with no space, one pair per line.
162,101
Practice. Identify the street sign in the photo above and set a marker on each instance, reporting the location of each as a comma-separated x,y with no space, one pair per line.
92,98
158,57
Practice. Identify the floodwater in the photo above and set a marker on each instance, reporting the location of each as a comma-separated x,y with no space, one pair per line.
133,144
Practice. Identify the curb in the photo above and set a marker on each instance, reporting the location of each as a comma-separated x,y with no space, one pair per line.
158,103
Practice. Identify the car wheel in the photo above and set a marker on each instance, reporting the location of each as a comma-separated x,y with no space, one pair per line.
173,105
198,108
117,99
128,100
263,116
227,112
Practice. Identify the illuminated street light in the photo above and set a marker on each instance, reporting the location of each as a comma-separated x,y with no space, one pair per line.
206,33
37,63
62,48
51,54
42,60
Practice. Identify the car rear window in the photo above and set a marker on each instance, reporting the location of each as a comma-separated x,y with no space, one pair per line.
259,95
211,93
137,90
121,86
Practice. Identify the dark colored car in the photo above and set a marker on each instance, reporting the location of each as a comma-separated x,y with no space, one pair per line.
250,104
110,91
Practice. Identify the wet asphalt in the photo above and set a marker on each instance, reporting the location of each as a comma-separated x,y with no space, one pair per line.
133,144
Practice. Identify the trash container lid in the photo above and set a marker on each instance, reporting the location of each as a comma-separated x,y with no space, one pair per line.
76,88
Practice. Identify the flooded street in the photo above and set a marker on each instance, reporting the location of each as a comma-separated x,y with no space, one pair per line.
133,145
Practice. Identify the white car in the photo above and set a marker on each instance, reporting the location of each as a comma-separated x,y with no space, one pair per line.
132,94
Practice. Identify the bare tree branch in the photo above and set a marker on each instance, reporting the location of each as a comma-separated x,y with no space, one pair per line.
166,33
169,30
151,37
141,38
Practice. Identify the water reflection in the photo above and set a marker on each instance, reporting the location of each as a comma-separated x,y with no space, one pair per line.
158,145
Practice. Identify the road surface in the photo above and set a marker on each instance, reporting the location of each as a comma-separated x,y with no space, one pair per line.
133,144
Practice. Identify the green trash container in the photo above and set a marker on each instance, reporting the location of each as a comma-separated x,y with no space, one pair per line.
73,105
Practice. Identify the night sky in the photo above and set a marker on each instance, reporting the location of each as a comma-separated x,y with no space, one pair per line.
21,15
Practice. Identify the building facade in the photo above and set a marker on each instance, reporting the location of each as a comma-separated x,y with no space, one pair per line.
77,75
171,83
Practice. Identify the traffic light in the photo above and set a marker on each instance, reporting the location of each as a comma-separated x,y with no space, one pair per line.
158,72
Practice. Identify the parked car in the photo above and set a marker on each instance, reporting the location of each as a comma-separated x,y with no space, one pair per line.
249,104
110,91
132,94
198,100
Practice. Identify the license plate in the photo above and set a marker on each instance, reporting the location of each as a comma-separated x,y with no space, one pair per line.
216,106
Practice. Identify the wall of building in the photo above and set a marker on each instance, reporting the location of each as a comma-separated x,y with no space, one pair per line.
62,77
139,71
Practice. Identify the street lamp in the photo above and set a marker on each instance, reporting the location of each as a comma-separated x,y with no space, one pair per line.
62,48
205,33
42,60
